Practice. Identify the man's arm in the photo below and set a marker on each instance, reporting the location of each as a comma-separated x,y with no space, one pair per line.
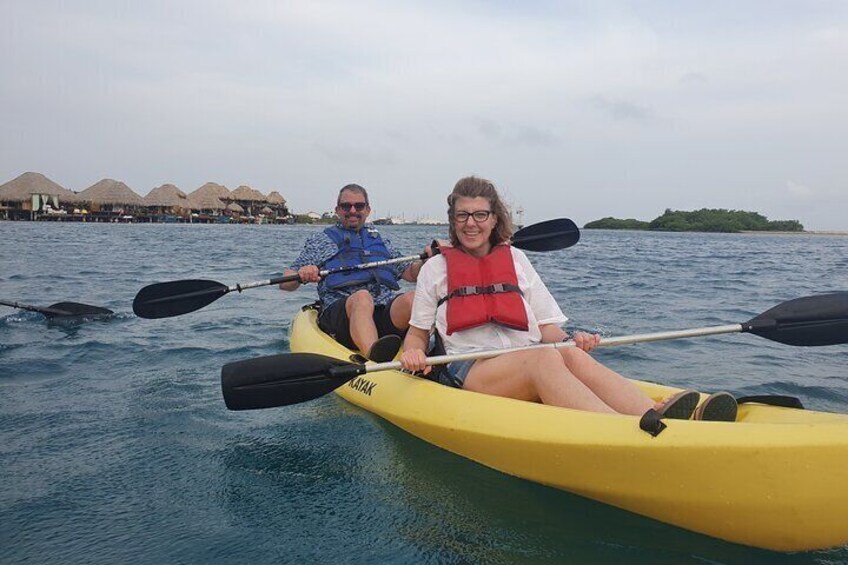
316,251
410,274
291,285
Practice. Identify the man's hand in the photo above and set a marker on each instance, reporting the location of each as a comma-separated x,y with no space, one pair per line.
309,274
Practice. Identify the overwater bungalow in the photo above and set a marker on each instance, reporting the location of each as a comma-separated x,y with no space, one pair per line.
206,204
279,211
234,211
31,195
109,200
167,203
249,200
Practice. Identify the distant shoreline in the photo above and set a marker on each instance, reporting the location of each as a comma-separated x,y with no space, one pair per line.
805,232
743,232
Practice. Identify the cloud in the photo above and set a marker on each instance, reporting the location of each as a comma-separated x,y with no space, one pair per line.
622,110
694,79
798,190
346,154
515,134
673,104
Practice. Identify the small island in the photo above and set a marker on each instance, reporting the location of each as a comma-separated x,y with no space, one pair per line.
703,220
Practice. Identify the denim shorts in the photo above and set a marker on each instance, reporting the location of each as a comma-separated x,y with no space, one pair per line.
454,374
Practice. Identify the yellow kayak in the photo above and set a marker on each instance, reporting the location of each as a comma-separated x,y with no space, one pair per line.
777,478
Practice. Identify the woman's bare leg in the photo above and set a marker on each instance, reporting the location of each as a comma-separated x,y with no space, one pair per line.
616,391
539,375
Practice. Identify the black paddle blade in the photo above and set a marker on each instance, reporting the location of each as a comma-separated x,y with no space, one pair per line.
164,300
547,236
808,321
281,380
74,309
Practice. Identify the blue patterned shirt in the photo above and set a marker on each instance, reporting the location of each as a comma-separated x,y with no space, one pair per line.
319,249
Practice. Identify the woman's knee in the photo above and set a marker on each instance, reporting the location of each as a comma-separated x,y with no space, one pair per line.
544,364
573,356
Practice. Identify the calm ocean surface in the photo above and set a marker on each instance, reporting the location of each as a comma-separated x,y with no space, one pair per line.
115,445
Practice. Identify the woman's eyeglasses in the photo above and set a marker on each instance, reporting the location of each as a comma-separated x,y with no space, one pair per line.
346,206
479,216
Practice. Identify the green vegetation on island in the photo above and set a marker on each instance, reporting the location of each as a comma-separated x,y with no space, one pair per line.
610,223
703,220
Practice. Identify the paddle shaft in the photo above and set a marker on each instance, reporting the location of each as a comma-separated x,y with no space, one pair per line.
562,232
31,308
324,273
164,300
284,379
606,342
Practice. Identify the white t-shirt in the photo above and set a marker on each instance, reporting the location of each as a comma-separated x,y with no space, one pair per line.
432,285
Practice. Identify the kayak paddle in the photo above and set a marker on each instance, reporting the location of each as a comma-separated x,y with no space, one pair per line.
164,300
62,309
290,378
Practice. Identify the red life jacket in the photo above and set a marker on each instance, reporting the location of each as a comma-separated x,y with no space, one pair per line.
483,290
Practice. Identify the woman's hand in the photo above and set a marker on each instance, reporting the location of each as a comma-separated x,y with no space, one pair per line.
586,342
415,360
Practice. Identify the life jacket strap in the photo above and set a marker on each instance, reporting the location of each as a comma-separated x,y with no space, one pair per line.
474,290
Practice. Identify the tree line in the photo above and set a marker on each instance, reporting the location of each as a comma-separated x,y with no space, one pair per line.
703,220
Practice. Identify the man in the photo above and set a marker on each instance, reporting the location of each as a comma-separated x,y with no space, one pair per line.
360,306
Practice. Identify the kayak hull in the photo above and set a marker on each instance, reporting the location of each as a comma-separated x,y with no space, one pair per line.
776,479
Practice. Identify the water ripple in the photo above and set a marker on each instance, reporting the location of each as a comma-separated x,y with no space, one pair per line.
115,445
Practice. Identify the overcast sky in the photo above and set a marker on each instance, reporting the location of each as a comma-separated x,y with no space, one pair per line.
578,109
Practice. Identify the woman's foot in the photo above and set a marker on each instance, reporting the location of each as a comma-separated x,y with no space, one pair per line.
718,407
679,406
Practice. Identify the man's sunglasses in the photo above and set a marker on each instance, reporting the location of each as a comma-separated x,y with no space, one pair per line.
346,206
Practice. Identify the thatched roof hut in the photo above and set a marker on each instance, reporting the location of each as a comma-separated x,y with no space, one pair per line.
208,197
108,191
246,193
276,198
24,186
205,202
213,188
233,207
267,210
167,196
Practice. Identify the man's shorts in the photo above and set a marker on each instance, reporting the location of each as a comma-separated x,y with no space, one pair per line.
333,320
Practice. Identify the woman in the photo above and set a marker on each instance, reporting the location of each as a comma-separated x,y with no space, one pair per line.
482,294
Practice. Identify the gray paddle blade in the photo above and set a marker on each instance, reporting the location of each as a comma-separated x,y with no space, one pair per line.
808,321
281,380
547,236
71,309
164,300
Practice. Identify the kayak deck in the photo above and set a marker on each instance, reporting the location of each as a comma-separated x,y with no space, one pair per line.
775,479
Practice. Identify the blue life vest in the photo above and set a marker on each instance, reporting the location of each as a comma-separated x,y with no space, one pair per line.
356,248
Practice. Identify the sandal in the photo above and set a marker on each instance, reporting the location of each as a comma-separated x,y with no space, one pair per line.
680,406
385,348
718,407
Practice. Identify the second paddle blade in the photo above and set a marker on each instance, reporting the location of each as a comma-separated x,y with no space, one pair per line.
547,236
279,380
808,321
168,299
69,309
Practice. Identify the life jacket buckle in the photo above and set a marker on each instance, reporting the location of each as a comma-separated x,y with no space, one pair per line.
466,291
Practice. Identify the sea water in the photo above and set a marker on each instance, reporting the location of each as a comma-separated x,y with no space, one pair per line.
115,445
